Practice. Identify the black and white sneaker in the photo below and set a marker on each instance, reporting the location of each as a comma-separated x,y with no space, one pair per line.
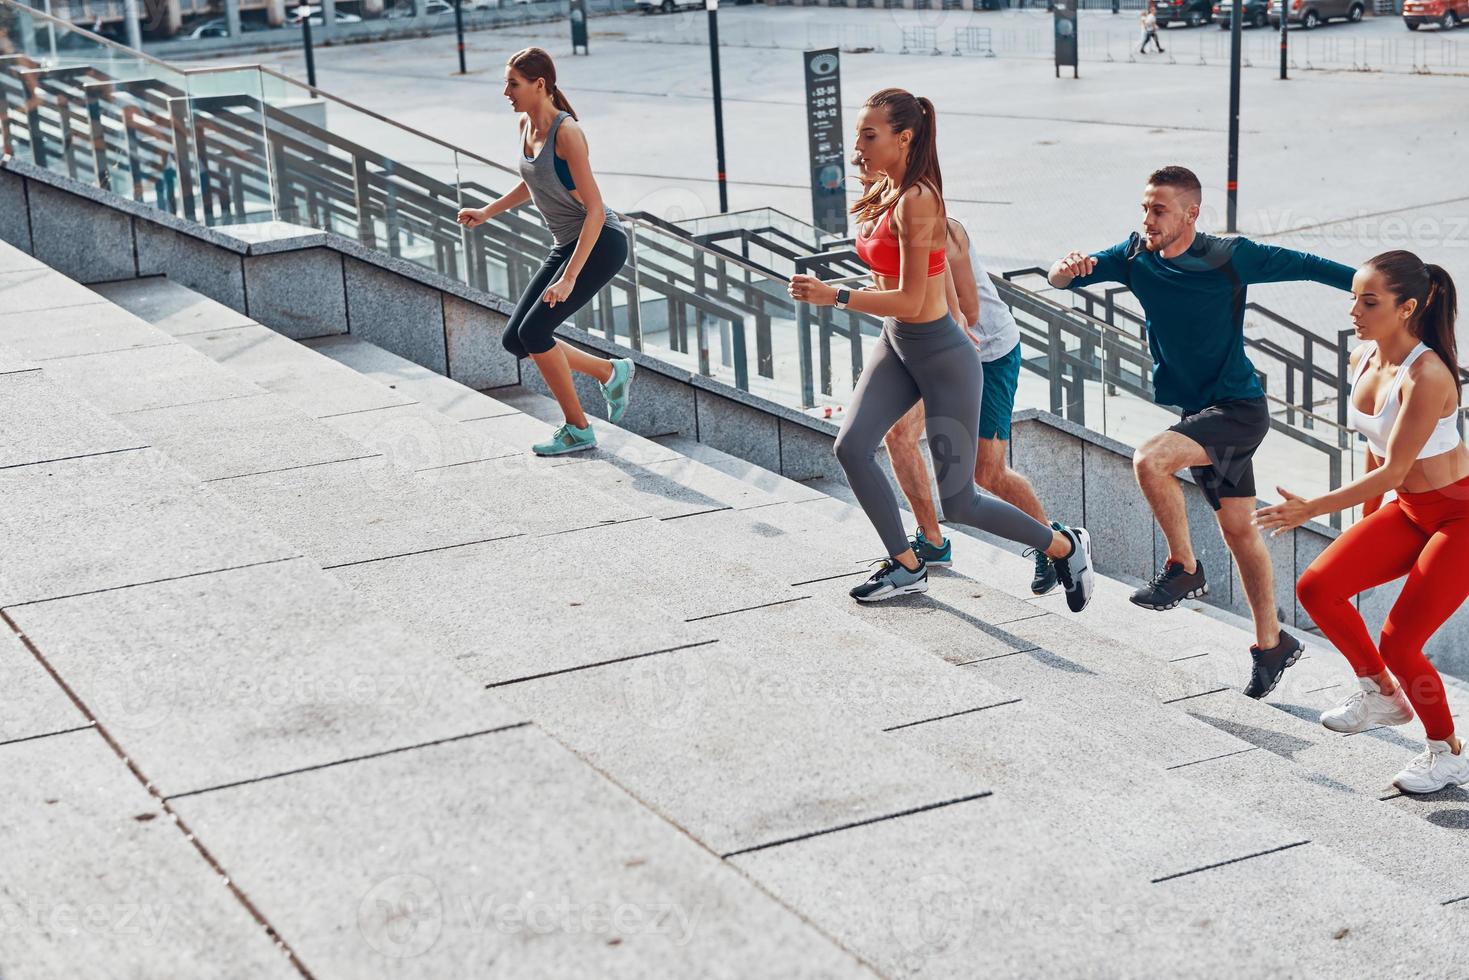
1270,664
1074,572
1171,586
892,579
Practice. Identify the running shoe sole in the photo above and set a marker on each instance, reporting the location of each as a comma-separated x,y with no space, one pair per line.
564,452
1198,593
1300,651
893,591
1047,590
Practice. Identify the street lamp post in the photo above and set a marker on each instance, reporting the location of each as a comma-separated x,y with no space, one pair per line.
1236,41
1284,23
459,30
304,13
713,7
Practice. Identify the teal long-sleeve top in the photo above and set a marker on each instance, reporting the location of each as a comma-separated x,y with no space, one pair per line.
1195,309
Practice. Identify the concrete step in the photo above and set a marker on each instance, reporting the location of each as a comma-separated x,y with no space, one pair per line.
97,873
221,663
723,829
1175,735
498,855
742,497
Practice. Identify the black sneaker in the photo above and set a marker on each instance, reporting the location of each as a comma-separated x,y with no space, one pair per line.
1045,572
1171,586
892,579
1270,664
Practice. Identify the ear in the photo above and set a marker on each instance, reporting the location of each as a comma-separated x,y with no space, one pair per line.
1406,311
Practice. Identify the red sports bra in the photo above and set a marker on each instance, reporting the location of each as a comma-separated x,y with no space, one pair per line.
880,251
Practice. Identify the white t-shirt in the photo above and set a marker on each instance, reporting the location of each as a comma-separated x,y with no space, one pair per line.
997,333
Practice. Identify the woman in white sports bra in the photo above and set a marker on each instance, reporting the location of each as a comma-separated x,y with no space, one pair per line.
1405,396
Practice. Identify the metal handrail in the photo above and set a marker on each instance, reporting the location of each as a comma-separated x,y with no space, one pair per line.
690,260
126,51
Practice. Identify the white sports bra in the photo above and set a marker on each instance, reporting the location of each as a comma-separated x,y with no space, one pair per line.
1377,428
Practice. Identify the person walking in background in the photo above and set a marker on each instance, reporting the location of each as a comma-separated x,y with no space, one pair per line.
922,354
1192,288
589,247
1149,20
1405,394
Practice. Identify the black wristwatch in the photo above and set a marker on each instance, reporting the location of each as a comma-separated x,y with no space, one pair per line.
844,296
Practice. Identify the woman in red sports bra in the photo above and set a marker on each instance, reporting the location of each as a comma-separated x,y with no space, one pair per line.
922,354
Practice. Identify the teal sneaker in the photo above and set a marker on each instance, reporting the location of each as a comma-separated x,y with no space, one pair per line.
567,439
616,390
930,553
1045,572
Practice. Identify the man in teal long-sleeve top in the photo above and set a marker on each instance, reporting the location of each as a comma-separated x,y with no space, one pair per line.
1192,289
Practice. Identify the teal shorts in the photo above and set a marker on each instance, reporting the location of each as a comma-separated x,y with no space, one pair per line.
997,403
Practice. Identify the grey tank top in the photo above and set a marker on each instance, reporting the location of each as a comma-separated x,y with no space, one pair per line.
563,213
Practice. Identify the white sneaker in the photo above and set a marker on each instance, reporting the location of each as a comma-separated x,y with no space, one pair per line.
1368,708
1433,769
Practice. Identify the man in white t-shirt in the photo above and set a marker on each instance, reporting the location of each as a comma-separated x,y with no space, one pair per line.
976,305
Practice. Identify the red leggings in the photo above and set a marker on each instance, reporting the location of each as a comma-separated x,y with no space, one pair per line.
1424,536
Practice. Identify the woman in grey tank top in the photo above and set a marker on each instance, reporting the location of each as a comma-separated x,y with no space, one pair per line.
589,247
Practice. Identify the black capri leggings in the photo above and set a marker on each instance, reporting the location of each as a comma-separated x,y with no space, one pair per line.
532,326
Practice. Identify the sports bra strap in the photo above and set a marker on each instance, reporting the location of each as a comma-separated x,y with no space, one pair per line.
1397,381
1368,349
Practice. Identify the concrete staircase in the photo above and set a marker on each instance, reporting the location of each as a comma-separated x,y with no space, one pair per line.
327,672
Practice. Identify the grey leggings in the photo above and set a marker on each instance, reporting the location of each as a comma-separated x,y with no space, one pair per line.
937,363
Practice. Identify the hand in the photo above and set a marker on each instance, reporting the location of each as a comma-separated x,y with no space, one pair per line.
470,217
1371,506
560,289
809,289
1281,517
1076,264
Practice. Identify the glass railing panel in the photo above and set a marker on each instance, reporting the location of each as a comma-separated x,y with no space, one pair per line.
504,254
79,106
726,319
230,167
341,169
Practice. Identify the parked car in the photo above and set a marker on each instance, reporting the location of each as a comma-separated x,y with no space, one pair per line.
1447,14
1194,13
436,8
669,6
1311,14
219,27
315,15
1255,13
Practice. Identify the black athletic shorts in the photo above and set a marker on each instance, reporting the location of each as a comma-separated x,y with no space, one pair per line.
1230,432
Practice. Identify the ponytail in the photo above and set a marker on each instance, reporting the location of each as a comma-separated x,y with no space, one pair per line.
559,100
1436,320
536,64
915,113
